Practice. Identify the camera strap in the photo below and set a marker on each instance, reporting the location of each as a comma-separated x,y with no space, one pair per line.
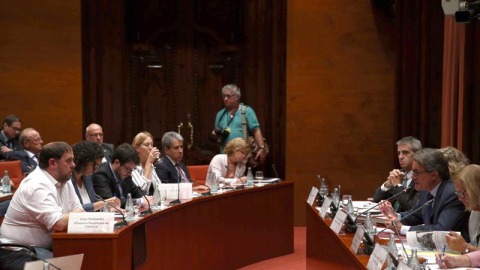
228,121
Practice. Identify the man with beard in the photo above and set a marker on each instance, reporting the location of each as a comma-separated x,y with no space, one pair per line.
42,203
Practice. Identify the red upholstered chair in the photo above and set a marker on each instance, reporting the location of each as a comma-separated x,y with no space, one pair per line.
14,169
198,173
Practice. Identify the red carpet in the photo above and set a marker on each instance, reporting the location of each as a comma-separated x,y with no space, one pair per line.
296,260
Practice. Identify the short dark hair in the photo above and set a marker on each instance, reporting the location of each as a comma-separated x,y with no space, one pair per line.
12,118
85,152
433,160
53,150
125,153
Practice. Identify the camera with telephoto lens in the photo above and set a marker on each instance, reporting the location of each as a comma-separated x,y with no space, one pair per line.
222,134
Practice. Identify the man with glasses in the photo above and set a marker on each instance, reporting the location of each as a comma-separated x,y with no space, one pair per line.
442,211
228,122
32,145
11,127
94,133
115,179
398,180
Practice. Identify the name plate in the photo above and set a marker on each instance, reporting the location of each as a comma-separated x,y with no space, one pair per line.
338,221
378,257
172,191
325,206
357,239
91,222
312,195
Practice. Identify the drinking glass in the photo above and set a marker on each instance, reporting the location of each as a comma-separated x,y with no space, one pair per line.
221,183
259,175
345,199
163,197
373,231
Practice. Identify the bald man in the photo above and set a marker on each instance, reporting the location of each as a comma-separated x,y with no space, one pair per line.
94,133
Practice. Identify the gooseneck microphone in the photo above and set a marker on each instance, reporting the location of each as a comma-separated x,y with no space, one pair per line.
275,171
405,190
239,178
177,201
149,210
208,193
118,224
30,252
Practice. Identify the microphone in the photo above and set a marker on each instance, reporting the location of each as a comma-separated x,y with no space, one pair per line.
243,183
29,250
149,210
405,190
275,171
118,224
411,213
208,193
399,238
177,201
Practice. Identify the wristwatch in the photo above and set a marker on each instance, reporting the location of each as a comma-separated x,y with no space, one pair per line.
263,147
467,250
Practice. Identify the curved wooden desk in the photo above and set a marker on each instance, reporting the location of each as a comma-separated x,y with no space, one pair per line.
225,231
327,250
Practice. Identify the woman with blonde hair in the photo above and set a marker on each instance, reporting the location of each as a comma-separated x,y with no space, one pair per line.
467,188
230,166
145,173
456,160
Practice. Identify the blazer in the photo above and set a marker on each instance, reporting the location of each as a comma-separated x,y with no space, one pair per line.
448,213
87,183
405,200
3,142
108,151
167,172
28,164
106,187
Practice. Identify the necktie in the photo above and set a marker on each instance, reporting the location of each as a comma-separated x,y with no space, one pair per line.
184,178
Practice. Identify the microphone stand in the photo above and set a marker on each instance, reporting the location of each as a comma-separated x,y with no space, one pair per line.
177,201
149,210
388,199
118,224
275,171
208,193
399,238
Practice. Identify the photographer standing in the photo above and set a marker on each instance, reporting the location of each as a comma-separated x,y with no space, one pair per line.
228,122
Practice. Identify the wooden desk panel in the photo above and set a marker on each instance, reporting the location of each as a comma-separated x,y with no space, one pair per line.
325,249
225,231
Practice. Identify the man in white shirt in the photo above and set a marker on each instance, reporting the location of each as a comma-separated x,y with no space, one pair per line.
398,180
42,203
32,144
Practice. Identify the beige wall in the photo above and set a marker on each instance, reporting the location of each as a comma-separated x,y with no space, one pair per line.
340,86
40,66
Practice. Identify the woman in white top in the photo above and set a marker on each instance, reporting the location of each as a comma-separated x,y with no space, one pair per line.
236,154
145,176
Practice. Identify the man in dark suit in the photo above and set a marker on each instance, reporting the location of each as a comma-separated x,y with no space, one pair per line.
32,145
445,213
398,180
11,127
94,133
170,169
115,179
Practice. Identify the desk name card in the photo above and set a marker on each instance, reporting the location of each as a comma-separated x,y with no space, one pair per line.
91,222
378,257
325,206
338,221
357,239
312,195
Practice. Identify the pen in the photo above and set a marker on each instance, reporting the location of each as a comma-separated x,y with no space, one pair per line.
443,252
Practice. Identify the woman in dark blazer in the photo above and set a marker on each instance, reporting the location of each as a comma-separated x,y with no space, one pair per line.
87,157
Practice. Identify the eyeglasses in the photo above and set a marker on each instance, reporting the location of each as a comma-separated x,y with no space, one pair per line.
96,135
461,194
228,96
417,173
127,169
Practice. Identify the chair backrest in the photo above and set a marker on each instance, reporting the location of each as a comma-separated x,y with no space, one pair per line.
14,169
198,173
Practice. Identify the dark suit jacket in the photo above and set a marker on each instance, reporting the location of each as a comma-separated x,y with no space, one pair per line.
87,183
16,146
406,200
448,213
106,187
108,151
28,164
167,172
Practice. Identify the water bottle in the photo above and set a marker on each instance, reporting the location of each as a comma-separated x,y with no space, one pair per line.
105,208
367,224
249,178
156,198
129,209
336,197
413,263
350,209
392,248
7,188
